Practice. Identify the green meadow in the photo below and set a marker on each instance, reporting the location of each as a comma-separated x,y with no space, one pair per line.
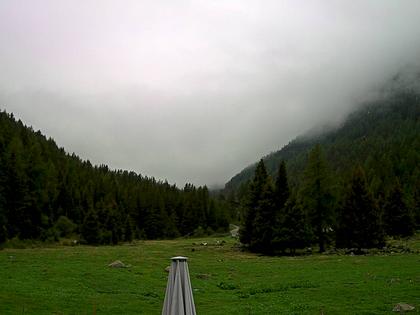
225,280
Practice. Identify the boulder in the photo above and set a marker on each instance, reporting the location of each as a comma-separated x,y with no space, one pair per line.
117,264
403,307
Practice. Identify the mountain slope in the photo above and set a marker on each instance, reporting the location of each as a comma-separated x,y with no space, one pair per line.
46,193
383,136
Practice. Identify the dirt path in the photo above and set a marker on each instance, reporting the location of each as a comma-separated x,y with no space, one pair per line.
234,232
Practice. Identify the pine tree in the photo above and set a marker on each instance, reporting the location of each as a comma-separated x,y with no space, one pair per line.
398,218
316,196
256,188
358,220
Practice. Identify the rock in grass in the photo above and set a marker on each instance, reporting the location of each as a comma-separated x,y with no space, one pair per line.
117,264
403,307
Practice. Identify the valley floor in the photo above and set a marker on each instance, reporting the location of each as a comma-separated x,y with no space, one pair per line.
77,280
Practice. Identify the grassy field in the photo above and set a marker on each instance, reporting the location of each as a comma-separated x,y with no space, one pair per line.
77,280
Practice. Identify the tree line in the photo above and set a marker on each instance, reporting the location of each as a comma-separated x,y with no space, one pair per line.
276,218
46,193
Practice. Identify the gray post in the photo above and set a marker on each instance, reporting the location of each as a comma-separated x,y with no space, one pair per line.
178,297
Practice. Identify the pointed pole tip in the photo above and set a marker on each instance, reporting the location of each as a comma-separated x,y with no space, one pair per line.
179,258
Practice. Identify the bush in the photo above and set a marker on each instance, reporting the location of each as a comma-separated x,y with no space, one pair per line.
50,235
65,226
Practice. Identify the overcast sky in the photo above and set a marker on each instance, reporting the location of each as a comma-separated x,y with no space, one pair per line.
194,91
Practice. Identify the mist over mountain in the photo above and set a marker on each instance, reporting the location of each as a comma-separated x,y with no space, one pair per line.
382,135
206,85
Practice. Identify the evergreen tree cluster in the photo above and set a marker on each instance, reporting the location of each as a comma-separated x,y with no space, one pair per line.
272,220
276,218
46,193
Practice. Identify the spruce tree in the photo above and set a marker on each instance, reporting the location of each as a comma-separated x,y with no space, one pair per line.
281,195
264,222
281,191
256,188
399,221
292,231
359,223
316,196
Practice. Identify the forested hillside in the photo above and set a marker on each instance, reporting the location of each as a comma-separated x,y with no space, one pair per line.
46,193
381,136
351,187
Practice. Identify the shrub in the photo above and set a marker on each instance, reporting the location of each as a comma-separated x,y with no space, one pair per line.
65,226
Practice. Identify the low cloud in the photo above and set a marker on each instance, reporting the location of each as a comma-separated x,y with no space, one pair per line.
195,91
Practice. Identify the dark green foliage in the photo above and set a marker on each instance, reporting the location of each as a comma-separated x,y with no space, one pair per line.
264,222
128,230
292,229
113,228
40,184
416,205
154,224
277,223
3,229
398,217
281,187
65,226
254,196
90,228
281,195
316,196
359,223
211,216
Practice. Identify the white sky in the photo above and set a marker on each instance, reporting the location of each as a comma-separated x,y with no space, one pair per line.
193,91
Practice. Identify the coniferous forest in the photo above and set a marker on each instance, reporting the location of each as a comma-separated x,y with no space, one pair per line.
46,193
